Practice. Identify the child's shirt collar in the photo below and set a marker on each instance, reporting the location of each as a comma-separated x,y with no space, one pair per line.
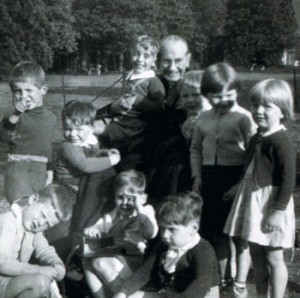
174,254
90,141
275,129
144,75
17,211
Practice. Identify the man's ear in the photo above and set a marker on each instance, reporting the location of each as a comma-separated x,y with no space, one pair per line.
44,89
32,199
144,198
188,59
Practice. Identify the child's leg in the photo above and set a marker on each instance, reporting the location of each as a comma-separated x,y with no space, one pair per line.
242,263
93,282
278,271
260,269
112,271
28,286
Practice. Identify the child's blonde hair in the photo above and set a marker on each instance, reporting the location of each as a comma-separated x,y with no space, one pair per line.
80,113
27,70
146,42
192,78
218,77
274,91
133,180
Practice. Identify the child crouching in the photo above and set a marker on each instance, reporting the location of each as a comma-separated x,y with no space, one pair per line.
21,236
131,223
185,264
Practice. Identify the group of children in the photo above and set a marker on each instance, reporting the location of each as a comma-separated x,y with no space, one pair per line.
242,180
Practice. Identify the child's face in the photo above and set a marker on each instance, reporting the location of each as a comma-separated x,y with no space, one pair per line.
266,115
28,93
224,100
76,134
142,59
126,201
191,98
177,236
174,60
38,217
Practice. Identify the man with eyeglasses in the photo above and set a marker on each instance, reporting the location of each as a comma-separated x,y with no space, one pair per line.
168,169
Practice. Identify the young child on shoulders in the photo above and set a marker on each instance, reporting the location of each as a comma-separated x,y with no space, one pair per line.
21,237
131,224
217,156
191,100
131,115
80,160
184,264
263,209
29,131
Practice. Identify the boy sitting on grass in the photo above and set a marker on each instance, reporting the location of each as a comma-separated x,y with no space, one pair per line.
184,265
21,237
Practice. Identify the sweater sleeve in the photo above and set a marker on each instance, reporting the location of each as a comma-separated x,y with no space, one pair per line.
153,102
76,157
285,157
203,261
196,152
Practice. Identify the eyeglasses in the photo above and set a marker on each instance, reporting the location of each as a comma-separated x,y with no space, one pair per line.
177,62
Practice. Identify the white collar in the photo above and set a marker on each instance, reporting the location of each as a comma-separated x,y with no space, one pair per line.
144,75
90,141
194,241
17,211
275,129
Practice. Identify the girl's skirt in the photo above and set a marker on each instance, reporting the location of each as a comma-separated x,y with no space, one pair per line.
251,208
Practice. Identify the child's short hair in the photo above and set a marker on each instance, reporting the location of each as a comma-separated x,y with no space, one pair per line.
81,113
180,209
274,91
134,181
146,42
25,70
191,78
218,76
59,198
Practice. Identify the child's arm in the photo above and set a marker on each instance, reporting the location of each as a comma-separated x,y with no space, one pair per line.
47,256
9,265
76,157
196,159
248,128
204,267
154,102
284,157
148,221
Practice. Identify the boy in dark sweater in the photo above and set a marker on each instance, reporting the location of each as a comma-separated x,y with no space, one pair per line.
28,131
184,265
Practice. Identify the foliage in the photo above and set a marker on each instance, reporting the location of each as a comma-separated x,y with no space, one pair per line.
34,29
111,25
259,28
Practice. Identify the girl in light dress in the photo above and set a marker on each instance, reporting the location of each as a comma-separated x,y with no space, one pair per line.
263,210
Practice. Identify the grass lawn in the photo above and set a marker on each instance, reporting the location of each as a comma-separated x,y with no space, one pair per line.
88,87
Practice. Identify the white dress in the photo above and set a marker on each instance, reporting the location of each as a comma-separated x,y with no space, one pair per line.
250,209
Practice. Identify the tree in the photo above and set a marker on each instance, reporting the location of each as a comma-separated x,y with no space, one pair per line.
259,27
34,29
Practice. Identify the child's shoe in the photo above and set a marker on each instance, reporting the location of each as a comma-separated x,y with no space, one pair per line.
226,287
240,290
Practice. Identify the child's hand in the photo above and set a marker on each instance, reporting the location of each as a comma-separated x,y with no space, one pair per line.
60,271
197,184
127,101
273,222
114,157
20,106
92,232
230,194
139,202
113,151
48,271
